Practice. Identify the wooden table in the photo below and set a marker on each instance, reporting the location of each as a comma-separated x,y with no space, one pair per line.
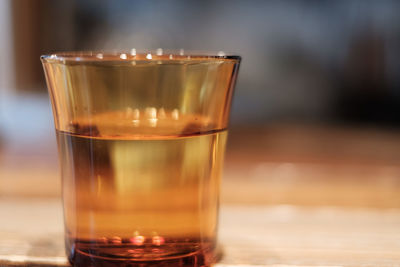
292,196
279,235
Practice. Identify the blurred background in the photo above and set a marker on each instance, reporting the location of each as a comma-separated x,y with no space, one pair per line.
316,114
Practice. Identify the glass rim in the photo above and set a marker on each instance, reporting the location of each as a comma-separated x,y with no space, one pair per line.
134,55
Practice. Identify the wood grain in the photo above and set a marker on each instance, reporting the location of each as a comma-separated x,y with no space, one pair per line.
31,234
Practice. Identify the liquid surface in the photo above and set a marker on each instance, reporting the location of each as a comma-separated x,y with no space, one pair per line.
141,186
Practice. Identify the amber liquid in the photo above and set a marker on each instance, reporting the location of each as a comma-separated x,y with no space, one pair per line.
141,188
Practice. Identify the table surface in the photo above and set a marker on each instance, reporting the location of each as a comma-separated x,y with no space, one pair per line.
292,196
32,232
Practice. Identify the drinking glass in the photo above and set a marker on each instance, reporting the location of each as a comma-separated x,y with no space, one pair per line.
141,140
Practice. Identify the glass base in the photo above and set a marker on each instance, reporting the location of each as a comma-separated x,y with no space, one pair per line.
177,254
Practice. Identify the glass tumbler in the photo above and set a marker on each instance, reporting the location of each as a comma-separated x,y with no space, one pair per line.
141,140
